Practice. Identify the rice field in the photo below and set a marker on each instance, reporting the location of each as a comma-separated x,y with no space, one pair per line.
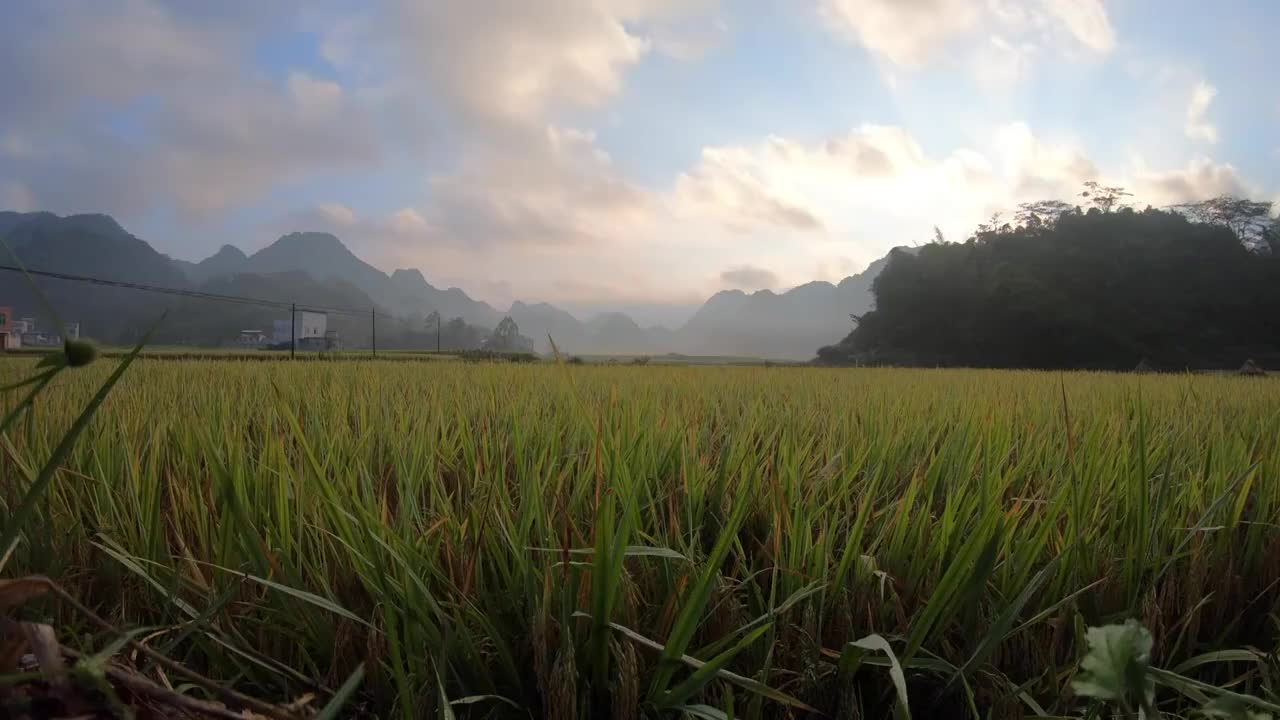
495,540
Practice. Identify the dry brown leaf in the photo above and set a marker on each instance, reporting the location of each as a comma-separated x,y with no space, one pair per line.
18,591
302,702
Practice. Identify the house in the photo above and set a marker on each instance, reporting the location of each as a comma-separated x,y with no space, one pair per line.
16,333
304,323
10,336
38,338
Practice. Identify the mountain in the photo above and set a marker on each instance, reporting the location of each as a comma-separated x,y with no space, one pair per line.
204,322
317,268
10,220
538,320
788,325
320,255
409,293
323,257
791,325
229,260
93,245
620,334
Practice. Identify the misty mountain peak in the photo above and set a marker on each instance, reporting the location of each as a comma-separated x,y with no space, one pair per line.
310,242
97,222
409,276
228,252
724,295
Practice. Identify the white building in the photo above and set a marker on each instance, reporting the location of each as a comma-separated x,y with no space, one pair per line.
305,324
252,338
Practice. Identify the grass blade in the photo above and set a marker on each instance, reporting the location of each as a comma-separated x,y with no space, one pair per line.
332,710
26,508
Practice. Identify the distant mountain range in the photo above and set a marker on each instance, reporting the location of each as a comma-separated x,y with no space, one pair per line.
317,268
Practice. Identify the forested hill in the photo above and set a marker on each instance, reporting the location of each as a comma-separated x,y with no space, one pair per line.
1073,289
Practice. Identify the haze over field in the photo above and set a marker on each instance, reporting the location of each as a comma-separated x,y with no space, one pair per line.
635,156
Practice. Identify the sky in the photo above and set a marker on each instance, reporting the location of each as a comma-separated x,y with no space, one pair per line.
624,154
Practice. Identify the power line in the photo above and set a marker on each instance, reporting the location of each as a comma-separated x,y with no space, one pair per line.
198,294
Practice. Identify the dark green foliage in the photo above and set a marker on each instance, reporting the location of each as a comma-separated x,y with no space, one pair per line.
79,352
506,338
493,356
1076,290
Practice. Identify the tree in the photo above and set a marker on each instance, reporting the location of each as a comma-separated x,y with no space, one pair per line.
1272,238
1094,290
1250,220
507,338
458,335
1042,213
1103,197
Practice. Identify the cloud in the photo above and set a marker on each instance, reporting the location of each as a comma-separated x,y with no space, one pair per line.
513,60
729,186
129,105
999,38
874,182
904,32
1198,127
1000,63
770,186
500,73
479,117
1087,21
1199,180
336,214
556,188
749,277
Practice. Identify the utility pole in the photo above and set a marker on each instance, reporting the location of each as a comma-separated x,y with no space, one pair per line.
293,329
373,319
434,317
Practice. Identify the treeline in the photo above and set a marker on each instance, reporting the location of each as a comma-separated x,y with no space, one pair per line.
1108,287
455,335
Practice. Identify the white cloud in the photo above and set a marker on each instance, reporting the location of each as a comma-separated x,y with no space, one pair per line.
494,101
1087,21
512,60
408,221
1198,180
874,187
749,277
1197,126
502,71
999,64
732,186
556,187
771,186
1000,39
905,33
208,133
337,214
